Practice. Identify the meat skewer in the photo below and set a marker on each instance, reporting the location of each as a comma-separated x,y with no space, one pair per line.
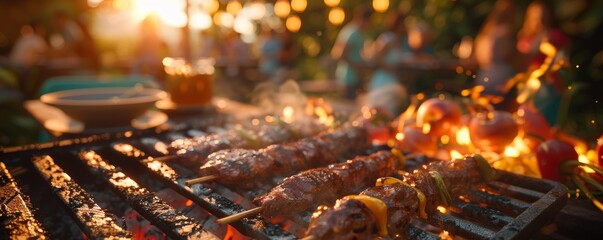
322,185
194,151
387,208
243,167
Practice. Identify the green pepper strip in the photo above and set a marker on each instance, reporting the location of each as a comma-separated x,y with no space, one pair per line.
566,166
444,194
587,192
484,168
250,138
287,127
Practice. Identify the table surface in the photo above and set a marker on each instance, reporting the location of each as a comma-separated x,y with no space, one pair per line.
46,115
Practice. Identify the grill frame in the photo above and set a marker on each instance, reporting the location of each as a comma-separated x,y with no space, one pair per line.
523,219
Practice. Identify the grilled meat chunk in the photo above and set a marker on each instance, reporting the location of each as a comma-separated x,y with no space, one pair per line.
402,200
324,185
239,167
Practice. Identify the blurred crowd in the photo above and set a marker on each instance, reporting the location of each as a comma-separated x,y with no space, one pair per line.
499,52
501,49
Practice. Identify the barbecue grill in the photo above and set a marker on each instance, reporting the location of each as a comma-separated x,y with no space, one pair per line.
74,187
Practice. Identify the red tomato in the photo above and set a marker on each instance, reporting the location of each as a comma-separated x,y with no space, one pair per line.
550,154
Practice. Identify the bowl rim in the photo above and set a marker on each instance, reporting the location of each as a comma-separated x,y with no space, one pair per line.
55,98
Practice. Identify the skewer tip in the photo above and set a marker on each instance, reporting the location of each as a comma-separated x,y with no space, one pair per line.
310,237
238,216
200,180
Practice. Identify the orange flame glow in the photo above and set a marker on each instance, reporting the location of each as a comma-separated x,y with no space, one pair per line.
533,83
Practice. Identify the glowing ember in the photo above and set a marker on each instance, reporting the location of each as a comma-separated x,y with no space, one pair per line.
442,209
188,203
463,137
583,159
426,128
288,114
511,152
454,154
445,139
400,136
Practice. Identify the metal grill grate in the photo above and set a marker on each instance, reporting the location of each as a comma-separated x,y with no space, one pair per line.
513,207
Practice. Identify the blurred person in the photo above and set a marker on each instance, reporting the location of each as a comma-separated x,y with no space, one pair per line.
419,41
150,49
31,47
270,47
348,51
235,49
287,57
385,88
208,46
494,49
70,32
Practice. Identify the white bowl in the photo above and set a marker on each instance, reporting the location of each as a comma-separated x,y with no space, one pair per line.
104,107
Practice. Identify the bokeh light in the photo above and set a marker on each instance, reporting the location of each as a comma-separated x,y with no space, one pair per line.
233,7
293,23
257,10
380,5
200,21
243,25
336,16
282,8
299,5
332,3
210,6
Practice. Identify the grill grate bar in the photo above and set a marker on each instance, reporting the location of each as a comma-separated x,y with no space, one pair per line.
458,226
211,201
515,191
417,233
481,214
498,202
18,221
93,221
145,202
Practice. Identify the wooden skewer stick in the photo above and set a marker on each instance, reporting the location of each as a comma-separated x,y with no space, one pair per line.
162,158
200,180
238,216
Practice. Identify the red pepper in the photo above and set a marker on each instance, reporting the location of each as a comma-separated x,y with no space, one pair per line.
600,150
551,154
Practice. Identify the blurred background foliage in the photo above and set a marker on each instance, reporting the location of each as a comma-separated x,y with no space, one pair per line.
449,20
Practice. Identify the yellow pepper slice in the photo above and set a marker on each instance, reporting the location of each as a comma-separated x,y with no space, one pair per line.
420,195
377,208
